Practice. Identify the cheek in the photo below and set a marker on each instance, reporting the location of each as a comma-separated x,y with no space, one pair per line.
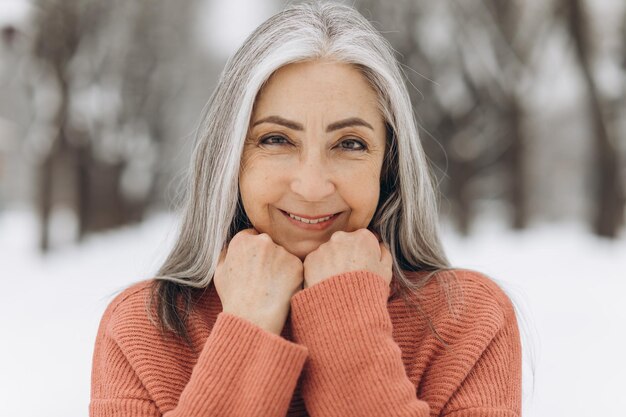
360,191
258,185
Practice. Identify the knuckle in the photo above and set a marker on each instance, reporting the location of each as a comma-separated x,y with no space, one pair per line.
264,237
370,237
235,238
321,248
366,233
240,235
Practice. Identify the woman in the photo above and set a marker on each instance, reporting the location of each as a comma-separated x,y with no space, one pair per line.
308,277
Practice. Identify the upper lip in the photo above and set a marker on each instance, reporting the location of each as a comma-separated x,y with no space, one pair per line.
304,216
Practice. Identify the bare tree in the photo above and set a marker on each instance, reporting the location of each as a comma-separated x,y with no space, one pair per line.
55,44
126,56
609,187
471,88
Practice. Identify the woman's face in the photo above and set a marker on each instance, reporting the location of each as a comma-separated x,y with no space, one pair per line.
315,149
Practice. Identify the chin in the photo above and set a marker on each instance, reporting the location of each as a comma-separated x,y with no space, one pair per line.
302,249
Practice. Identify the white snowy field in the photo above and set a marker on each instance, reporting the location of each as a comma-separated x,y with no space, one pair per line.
568,286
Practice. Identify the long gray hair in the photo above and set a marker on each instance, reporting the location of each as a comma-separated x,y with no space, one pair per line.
406,217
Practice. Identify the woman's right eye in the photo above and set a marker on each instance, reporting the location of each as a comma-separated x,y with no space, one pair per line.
274,140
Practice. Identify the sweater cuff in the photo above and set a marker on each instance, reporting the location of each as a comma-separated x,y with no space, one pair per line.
240,357
241,343
349,302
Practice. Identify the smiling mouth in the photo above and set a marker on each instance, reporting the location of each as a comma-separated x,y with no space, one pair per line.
310,219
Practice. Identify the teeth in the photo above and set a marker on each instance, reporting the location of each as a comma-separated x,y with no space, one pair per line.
307,221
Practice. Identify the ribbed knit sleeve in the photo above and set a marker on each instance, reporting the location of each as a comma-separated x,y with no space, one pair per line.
242,370
355,367
493,385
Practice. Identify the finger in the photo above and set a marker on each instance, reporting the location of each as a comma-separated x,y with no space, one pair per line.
371,235
385,254
221,259
377,235
337,235
222,254
240,233
267,238
243,233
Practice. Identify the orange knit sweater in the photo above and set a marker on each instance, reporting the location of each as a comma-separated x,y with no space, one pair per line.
347,349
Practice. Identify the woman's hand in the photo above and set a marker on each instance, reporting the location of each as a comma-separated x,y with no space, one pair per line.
255,279
345,252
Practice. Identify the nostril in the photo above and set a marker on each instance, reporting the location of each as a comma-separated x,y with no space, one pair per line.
313,189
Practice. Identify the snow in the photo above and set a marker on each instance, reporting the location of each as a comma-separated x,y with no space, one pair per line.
50,308
567,285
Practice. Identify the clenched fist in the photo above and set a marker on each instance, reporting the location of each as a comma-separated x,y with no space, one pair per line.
345,252
256,278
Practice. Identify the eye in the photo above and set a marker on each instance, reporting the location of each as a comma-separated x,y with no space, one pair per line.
274,140
353,145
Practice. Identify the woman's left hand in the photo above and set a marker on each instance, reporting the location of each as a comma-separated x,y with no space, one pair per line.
345,252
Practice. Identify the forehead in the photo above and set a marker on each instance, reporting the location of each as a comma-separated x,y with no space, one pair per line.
322,85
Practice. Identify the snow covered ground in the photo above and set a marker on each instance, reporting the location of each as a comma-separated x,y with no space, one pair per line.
568,286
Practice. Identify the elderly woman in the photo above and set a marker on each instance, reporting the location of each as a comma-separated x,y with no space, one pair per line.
308,277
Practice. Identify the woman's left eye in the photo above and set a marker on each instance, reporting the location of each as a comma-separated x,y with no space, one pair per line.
353,145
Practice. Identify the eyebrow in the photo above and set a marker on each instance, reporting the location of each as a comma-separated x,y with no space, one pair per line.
290,124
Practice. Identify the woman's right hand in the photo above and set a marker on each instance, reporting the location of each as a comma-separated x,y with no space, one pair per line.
256,278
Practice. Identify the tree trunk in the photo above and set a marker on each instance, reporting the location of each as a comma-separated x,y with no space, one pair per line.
609,192
517,172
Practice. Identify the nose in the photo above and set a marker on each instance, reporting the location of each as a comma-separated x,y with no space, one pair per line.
312,179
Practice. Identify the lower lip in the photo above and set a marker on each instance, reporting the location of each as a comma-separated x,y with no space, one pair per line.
309,226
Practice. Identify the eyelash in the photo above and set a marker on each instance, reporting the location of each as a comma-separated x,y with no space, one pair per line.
361,143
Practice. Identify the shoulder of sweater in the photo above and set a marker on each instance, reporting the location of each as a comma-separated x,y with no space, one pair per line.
480,282
129,307
463,298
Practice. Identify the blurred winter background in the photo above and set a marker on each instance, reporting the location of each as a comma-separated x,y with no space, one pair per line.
522,106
